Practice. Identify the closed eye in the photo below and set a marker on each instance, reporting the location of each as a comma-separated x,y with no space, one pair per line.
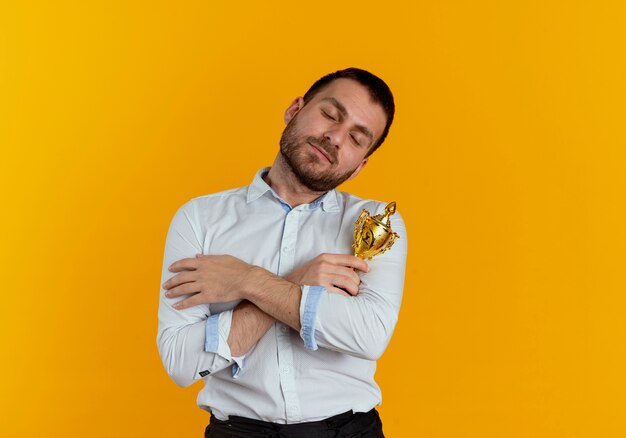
355,140
328,116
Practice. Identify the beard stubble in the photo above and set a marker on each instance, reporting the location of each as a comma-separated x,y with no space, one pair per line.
300,161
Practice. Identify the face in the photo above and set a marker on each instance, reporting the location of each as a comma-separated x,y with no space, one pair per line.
326,140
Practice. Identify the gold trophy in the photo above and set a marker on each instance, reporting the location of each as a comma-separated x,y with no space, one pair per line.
373,234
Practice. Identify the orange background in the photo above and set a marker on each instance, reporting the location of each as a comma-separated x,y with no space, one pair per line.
507,161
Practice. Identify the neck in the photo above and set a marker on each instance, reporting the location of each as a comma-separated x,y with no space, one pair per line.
286,185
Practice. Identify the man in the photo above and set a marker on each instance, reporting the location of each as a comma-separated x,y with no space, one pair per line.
261,298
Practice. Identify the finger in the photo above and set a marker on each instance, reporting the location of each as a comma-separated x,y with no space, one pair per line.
352,275
346,284
189,302
183,277
340,282
183,289
347,260
184,264
345,278
357,263
338,291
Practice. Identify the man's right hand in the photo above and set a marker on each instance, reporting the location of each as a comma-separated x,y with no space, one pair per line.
335,272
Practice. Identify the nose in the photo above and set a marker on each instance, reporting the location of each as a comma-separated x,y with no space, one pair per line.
334,136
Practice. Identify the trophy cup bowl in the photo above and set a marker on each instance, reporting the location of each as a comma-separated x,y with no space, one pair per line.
373,234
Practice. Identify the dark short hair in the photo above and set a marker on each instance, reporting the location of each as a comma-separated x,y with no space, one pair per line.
378,90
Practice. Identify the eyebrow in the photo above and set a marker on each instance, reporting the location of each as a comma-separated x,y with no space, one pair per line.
344,112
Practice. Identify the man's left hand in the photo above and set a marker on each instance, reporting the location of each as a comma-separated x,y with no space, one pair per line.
208,279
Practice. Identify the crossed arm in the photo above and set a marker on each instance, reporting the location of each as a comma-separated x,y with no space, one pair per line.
359,325
267,297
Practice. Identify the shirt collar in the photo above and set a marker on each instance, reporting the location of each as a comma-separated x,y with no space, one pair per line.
259,187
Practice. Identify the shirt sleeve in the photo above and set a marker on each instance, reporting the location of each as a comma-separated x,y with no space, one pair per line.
362,325
216,341
181,337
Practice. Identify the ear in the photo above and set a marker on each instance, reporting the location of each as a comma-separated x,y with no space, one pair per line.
358,169
293,109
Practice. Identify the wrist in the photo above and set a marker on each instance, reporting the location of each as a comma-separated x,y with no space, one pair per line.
253,283
274,295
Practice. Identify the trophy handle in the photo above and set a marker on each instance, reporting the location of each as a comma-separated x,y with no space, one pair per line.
392,239
359,224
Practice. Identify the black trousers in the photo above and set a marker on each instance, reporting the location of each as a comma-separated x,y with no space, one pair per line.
359,425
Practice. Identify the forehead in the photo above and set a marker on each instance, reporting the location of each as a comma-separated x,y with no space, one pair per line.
357,101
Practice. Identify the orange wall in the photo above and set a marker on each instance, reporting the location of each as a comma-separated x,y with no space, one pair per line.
507,161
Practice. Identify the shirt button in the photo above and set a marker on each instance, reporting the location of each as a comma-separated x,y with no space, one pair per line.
286,249
285,370
283,328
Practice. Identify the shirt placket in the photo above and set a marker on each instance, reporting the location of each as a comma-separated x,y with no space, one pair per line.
283,335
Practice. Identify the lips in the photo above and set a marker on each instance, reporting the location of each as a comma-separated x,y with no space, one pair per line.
323,152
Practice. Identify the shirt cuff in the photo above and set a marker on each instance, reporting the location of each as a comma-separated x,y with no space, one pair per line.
308,314
216,340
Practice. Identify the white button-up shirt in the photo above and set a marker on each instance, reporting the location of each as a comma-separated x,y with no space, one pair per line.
287,377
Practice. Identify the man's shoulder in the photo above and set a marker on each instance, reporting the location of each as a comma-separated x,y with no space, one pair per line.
352,201
214,201
236,193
